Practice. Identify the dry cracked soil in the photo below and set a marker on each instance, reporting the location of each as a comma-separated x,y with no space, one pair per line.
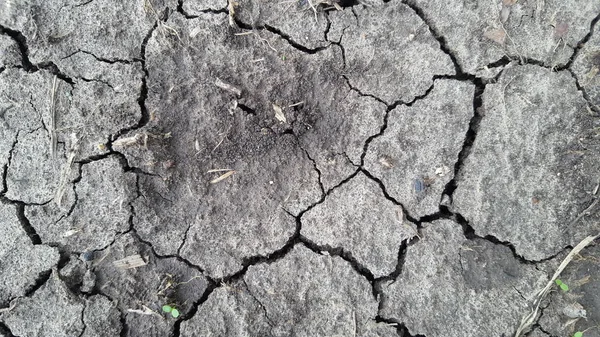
299,168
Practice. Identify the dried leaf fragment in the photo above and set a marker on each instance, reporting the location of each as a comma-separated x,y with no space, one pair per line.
129,262
279,113
497,35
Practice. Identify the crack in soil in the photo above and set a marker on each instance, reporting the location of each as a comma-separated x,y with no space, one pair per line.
282,35
181,11
579,46
26,225
401,328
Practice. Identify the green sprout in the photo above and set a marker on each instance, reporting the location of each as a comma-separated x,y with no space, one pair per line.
171,309
564,287
578,334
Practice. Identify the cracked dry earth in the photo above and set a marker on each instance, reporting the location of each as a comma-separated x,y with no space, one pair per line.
295,168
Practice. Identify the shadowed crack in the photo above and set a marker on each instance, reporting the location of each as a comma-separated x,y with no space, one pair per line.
400,327
82,318
27,227
42,278
21,42
584,93
387,195
436,35
210,287
469,233
283,35
316,169
342,253
469,137
5,330
181,11
7,165
581,43
145,115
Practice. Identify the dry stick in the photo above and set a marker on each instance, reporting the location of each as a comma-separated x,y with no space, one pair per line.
53,143
528,320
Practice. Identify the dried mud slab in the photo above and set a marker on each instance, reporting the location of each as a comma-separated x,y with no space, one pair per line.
586,67
415,156
17,253
101,210
52,311
108,29
480,33
482,282
303,294
357,218
533,166
391,61
141,289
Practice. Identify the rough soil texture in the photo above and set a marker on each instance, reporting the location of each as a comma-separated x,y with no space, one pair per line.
298,168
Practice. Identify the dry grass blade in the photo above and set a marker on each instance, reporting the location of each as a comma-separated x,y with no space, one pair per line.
528,320
129,262
222,177
53,141
218,170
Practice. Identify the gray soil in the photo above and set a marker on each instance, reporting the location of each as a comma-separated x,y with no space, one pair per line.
298,168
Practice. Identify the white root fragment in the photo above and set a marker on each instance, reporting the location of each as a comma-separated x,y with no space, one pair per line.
222,177
131,141
228,87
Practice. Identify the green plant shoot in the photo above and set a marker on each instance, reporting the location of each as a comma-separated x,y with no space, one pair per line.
562,285
169,309
578,334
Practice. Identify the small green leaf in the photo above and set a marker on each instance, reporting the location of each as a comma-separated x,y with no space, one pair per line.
564,287
558,282
578,334
175,313
167,308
